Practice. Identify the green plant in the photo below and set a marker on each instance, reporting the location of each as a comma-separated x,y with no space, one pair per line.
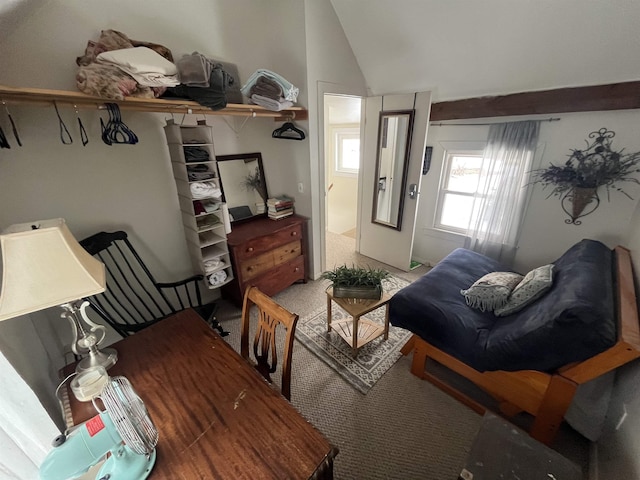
353,276
597,165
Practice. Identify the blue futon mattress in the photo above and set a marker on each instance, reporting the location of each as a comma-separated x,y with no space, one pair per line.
573,321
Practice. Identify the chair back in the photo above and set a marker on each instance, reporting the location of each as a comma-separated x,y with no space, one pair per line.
133,299
265,351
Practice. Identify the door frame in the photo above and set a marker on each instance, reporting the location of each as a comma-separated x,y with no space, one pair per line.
320,178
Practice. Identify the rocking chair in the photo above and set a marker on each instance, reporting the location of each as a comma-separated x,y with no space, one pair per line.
133,299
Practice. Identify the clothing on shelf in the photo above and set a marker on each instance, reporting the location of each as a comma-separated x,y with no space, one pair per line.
289,91
213,96
205,190
108,81
199,171
271,104
196,154
213,264
146,67
195,70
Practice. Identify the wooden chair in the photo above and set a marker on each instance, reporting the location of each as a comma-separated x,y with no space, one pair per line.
133,299
270,315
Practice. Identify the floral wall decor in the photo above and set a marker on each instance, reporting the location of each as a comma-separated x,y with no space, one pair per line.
577,182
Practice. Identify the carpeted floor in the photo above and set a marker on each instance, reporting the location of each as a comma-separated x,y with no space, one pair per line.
403,428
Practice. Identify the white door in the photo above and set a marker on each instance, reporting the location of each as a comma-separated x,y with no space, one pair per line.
381,242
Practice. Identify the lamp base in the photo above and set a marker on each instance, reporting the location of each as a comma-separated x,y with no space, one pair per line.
106,358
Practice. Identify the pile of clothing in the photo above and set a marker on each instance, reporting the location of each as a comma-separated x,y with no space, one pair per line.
115,67
270,90
202,80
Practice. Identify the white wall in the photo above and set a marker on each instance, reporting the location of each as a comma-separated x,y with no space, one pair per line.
545,236
100,187
331,68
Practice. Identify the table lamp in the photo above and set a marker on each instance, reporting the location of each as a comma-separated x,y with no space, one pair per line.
43,265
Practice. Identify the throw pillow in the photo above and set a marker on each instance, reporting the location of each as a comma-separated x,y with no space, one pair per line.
532,287
491,291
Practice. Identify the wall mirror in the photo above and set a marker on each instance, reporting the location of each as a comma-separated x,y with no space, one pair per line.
394,146
244,188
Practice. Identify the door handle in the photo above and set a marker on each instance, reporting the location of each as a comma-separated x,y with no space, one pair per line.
413,191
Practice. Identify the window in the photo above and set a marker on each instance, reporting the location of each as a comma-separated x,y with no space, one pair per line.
458,190
347,150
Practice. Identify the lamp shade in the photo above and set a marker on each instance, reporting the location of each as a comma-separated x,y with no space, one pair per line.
43,265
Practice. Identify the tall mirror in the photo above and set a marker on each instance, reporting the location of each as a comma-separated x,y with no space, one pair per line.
394,146
243,185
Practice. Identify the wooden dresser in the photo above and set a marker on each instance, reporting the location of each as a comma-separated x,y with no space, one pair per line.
269,254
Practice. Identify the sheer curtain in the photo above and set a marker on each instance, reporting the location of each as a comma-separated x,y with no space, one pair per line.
26,429
502,193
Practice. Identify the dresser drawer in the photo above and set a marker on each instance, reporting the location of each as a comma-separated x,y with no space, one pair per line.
258,245
252,267
280,277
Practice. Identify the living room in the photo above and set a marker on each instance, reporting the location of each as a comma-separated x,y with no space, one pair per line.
98,187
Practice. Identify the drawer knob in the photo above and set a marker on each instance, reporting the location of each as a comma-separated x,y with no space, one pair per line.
297,269
293,234
250,249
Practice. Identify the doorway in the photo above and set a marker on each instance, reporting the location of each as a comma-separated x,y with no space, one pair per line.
342,118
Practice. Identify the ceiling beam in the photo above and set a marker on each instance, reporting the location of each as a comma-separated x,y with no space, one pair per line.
614,96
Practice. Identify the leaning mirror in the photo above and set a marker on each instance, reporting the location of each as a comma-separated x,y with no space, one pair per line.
244,188
394,146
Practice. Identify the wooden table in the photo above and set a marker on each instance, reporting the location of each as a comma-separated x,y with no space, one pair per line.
357,331
216,416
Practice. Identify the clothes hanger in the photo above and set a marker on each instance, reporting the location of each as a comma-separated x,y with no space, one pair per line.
115,131
288,131
13,125
65,136
83,133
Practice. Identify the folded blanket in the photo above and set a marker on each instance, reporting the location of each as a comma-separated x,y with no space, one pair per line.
147,67
266,88
194,70
271,104
289,91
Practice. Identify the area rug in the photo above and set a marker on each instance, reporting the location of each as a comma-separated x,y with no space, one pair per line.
373,360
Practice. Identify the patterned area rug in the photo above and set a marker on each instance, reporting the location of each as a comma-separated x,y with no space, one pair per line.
373,360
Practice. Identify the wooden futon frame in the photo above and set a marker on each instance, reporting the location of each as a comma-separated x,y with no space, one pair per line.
546,396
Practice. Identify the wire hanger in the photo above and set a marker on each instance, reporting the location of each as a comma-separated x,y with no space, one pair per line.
83,133
63,128
3,139
115,131
13,125
288,131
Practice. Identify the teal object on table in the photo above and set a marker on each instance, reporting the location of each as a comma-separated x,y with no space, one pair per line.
87,446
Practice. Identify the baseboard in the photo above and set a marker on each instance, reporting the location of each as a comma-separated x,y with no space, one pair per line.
592,474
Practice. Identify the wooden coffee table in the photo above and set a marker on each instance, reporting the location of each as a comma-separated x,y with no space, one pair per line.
358,331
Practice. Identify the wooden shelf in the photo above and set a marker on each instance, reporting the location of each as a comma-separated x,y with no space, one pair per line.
38,96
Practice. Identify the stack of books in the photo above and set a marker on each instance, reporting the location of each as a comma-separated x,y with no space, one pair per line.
279,207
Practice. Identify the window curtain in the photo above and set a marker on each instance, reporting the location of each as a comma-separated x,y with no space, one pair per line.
500,202
26,429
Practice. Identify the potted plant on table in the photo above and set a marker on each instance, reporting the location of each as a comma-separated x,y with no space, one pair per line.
578,180
356,282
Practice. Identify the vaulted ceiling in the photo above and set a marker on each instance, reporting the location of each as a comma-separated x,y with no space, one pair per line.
469,48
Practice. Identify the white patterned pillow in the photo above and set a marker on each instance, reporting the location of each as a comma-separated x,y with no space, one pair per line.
532,287
491,291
